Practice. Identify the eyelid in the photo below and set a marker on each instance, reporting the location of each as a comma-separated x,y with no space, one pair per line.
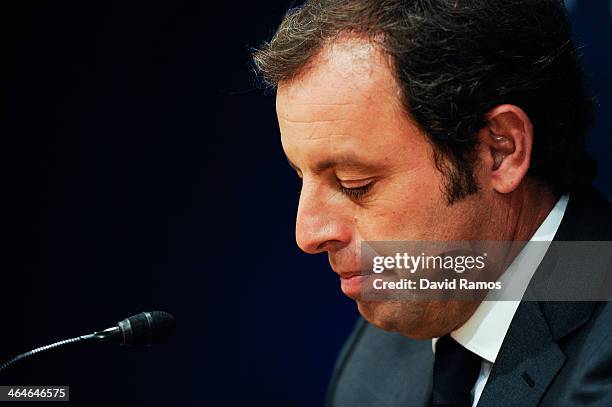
355,183
357,192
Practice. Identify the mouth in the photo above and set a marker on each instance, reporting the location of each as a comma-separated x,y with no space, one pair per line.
350,284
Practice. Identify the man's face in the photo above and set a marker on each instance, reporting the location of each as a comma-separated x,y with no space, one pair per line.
368,173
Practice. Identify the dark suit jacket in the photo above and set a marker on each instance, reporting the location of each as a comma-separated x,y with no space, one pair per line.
554,354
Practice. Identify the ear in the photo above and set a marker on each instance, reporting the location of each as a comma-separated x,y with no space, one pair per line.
506,142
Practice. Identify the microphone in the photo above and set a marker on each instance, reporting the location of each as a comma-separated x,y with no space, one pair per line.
144,329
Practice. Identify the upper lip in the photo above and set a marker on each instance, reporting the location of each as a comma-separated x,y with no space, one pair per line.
348,274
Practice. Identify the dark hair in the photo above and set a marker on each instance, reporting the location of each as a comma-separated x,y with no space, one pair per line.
455,60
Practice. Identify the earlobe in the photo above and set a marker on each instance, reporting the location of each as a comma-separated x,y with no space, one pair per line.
507,138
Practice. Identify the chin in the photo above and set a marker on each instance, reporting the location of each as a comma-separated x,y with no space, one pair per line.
405,318
414,319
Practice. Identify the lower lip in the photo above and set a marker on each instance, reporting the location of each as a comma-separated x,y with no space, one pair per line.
351,287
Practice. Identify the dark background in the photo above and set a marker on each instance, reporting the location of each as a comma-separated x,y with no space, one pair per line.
143,171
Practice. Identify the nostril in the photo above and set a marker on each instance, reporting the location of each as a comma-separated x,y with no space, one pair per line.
322,247
330,246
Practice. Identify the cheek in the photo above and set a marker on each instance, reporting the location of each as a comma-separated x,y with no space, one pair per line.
409,209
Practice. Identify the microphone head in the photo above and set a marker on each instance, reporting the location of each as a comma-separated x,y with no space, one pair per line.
147,328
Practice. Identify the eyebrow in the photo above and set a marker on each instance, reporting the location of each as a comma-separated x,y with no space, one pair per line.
347,161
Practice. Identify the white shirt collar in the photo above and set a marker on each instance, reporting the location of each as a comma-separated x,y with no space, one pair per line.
486,329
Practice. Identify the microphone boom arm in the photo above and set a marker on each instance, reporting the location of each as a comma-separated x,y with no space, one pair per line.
45,348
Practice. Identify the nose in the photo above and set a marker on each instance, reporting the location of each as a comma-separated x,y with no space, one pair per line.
321,223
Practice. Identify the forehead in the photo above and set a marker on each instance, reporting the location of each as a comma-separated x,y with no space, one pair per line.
346,102
349,72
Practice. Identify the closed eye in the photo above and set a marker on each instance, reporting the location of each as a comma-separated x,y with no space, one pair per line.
356,192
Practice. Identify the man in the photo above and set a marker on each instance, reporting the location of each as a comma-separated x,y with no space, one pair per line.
423,120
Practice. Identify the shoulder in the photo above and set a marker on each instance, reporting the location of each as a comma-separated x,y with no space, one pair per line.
587,374
588,217
376,367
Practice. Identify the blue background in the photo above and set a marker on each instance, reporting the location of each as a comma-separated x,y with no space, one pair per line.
144,171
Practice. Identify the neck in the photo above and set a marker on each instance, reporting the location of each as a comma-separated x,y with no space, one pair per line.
528,207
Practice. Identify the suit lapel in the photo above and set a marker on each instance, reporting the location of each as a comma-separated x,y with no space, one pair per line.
528,361
530,356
